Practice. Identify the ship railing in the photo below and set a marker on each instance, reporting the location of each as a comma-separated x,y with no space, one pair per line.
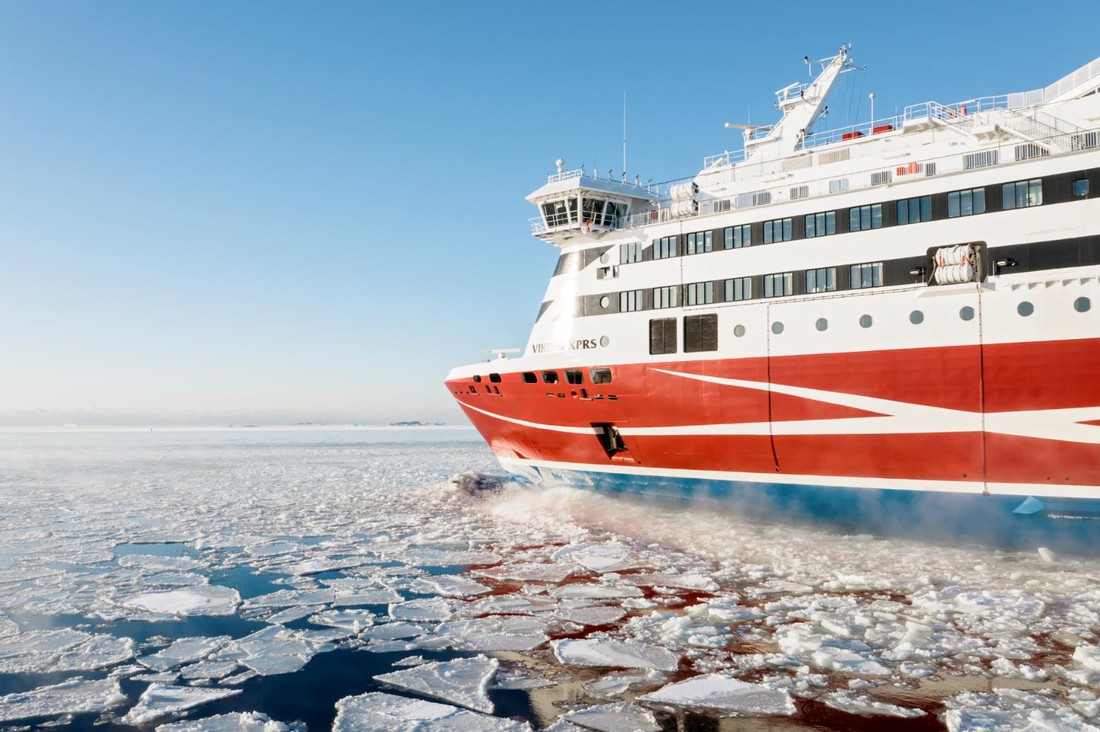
1086,73
1006,152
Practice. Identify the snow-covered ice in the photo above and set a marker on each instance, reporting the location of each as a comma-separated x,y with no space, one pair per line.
277,549
464,681
239,722
380,712
160,700
715,691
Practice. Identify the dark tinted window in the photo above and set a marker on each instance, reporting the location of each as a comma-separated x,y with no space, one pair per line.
550,377
600,375
701,333
662,335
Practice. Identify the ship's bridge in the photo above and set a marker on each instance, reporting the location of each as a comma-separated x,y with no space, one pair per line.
574,203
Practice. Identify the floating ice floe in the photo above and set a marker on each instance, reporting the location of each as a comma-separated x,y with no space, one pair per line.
291,598
153,561
1012,710
184,650
722,693
494,633
602,557
70,697
380,712
274,650
464,681
432,609
618,717
203,600
852,703
697,582
237,722
594,591
614,653
591,614
618,683
452,585
354,620
40,651
159,701
554,573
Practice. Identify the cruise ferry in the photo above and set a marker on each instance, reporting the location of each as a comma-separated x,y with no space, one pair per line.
894,323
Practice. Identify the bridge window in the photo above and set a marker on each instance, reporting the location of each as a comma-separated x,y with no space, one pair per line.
549,377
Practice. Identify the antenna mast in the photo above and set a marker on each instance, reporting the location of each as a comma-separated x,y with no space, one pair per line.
624,132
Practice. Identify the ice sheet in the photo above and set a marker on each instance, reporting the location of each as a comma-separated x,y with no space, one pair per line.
464,681
205,600
618,717
715,691
239,722
159,701
380,712
622,654
70,697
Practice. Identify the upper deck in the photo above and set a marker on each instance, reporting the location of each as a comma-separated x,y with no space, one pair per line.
790,161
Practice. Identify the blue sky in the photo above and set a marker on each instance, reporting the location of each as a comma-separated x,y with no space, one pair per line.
278,211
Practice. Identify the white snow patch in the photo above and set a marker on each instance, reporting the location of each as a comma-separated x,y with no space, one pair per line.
715,691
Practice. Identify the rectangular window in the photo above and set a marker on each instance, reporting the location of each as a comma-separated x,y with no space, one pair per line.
777,230
665,297
698,243
662,336
700,333
981,159
966,203
631,300
600,375
862,218
866,275
915,210
530,378
574,376
630,252
738,236
665,247
800,192
700,293
820,224
549,377
739,288
838,186
821,280
1022,194
1081,188
881,177
779,284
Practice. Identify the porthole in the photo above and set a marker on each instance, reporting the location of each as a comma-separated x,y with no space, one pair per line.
777,327
866,321
916,317
739,330
605,341
1025,308
605,301
1082,304
967,313
604,259
822,324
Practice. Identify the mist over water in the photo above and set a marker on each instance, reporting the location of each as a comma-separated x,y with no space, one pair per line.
314,577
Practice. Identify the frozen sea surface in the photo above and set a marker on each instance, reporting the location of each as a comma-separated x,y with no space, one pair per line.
301,579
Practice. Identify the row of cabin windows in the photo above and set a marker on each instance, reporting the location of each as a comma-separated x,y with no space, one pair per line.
778,284
966,202
700,334
598,375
